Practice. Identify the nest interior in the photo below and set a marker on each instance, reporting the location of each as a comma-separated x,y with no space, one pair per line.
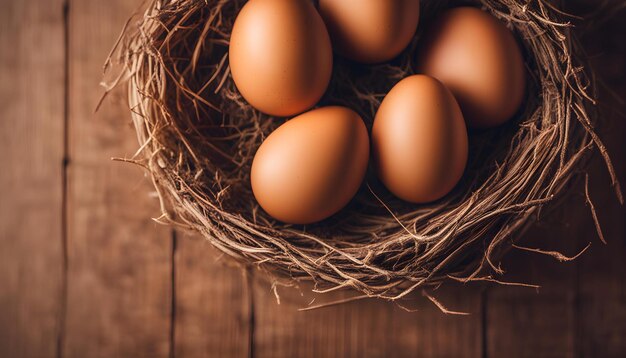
198,136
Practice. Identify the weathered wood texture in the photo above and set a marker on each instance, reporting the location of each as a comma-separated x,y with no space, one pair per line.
514,315
119,260
32,68
601,304
366,328
213,303
135,288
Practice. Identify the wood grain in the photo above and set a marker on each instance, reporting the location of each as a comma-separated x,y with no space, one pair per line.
601,303
602,287
31,176
515,314
135,289
212,303
367,328
119,260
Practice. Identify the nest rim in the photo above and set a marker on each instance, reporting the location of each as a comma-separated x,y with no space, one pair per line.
386,252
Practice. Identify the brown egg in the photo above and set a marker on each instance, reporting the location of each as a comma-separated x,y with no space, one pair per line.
370,31
311,166
478,59
280,55
419,140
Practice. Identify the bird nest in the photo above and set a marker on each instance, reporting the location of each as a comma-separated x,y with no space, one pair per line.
198,136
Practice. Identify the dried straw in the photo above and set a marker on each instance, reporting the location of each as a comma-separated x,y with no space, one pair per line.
198,137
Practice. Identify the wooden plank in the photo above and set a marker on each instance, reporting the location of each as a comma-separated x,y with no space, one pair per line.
212,303
602,282
32,63
524,322
371,328
602,279
119,268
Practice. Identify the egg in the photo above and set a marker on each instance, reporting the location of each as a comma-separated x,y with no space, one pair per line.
478,59
370,31
419,140
311,166
280,55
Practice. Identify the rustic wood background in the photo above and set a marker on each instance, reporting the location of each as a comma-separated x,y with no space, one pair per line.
85,272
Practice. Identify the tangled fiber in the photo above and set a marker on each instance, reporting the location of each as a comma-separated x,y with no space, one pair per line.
198,136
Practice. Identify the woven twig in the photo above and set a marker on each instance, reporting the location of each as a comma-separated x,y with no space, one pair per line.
198,137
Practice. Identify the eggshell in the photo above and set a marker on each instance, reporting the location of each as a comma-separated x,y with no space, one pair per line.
370,31
311,166
280,55
419,140
478,59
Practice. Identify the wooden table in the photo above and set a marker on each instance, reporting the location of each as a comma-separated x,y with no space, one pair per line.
85,272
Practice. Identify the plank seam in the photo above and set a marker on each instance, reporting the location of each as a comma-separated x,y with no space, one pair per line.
249,274
65,8
172,332
483,326
577,306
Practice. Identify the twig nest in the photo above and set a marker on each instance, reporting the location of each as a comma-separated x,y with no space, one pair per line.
198,137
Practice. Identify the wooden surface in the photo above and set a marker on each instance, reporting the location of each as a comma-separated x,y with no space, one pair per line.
85,272
32,120
119,292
